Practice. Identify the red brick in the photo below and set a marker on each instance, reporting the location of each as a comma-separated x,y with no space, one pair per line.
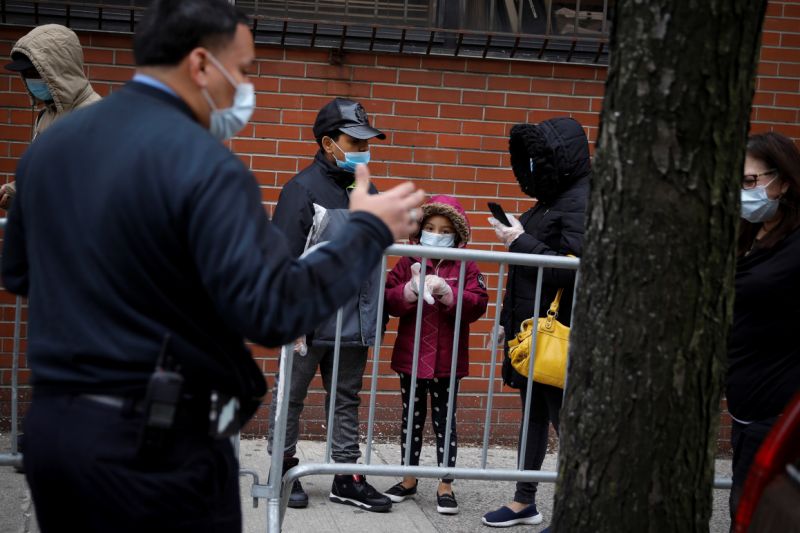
302,149
484,128
765,68
390,153
527,100
488,66
124,57
439,125
789,70
394,123
95,55
439,95
466,81
280,101
338,72
298,117
589,89
417,77
479,159
569,104
269,85
779,84
413,139
402,170
281,68
576,72
396,92
277,131
536,69
399,61
308,56
288,164
272,116
790,10
108,40
383,75
415,109
444,157
483,98
787,55
110,73
770,114
15,133
373,107
498,144
247,146
497,83
773,38
460,111
787,100
459,172
347,89
459,141
442,63
302,86
357,58
503,114
782,25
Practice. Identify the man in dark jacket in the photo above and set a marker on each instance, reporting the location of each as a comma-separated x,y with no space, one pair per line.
551,163
143,247
309,210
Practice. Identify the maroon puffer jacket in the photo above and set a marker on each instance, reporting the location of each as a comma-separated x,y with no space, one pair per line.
438,321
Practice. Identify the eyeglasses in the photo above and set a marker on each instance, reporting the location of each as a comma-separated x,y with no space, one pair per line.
750,181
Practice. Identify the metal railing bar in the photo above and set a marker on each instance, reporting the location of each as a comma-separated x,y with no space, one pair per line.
523,441
274,481
458,254
490,393
334,384
376,350
454,364
415,362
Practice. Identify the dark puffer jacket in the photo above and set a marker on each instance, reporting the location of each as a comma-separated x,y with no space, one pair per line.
555,226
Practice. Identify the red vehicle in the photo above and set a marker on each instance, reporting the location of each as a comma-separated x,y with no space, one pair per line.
770,501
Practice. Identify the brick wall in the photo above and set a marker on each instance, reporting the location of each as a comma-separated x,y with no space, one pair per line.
447,121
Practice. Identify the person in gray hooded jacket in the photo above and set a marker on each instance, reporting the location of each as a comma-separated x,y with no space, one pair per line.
311,208
50,60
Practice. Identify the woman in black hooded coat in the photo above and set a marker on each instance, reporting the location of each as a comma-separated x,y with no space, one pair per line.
551,163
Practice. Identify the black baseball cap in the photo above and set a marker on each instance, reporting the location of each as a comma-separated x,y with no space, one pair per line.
346,116
19,62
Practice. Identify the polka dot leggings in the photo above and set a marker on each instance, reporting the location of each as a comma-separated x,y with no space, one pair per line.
439,390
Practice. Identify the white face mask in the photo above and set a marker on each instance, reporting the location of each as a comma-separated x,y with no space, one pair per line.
227,122
757,206
434,239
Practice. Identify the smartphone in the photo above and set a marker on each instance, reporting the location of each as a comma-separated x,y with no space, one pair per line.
498,213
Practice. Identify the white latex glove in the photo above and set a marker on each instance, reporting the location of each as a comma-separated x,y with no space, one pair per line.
439,288
507,234
411,289
300,346
501,335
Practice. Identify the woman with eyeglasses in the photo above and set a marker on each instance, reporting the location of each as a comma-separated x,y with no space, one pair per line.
763,348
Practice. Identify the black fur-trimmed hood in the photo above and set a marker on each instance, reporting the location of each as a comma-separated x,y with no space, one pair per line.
559,150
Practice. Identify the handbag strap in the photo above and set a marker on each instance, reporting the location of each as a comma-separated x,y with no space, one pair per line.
553,311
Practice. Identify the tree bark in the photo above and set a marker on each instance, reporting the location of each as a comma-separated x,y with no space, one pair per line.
654,303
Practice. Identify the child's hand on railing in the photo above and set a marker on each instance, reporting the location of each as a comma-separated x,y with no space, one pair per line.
439,288
411,289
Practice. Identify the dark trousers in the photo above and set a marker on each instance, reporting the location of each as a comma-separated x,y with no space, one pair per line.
84,473
545,405
439,391
746,439
344,439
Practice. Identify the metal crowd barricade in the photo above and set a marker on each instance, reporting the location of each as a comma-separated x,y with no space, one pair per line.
276,490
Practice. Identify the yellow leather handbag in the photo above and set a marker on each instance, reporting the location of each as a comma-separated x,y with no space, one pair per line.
552,344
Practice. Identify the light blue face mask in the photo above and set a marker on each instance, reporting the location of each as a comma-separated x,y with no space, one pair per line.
39,89
351,159
435,239
757,206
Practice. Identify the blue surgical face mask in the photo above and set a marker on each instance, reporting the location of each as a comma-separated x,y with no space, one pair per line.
351,159
39,89
757,206
227,122
435,239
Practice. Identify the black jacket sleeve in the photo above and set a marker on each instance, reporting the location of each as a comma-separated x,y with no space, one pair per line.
294,214
246,265
15,254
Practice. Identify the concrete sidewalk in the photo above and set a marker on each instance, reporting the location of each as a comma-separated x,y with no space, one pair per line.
419,515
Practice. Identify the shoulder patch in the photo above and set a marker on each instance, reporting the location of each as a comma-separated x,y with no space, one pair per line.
481,282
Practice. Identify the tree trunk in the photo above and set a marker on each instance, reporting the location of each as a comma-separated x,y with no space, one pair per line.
654,304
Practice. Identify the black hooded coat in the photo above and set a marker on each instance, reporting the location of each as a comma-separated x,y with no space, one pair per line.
555,226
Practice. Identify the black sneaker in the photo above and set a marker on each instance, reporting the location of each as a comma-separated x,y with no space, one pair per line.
298,499
446,503
398,493
354,490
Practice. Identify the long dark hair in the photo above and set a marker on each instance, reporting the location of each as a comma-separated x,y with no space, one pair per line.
779,152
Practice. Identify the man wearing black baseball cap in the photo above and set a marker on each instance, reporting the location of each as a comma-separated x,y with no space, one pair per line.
314,199
50,60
